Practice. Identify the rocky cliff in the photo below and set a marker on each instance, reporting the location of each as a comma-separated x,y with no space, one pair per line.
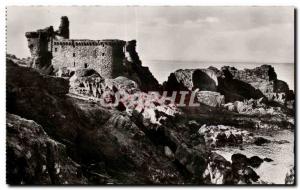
72,138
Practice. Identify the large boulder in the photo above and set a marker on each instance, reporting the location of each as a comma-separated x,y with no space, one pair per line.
190,79
263,79
213,99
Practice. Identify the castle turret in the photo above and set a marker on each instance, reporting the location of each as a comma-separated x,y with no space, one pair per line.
63,30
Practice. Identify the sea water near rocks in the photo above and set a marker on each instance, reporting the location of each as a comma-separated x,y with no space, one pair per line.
285,71
281,154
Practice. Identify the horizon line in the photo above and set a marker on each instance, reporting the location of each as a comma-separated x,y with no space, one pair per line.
201,61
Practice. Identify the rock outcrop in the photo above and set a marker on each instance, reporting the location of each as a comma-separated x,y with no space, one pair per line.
34,158
235,85
264,79
136,71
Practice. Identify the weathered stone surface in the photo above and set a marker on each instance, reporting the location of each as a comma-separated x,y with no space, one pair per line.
213,99
34,158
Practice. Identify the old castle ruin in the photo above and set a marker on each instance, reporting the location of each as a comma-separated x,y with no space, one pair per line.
110,58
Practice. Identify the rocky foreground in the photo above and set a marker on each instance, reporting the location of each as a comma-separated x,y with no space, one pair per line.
59,132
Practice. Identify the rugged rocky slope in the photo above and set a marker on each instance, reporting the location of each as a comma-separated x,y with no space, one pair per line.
110,146
124,143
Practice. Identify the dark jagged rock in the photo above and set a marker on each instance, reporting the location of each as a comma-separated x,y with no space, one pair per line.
268,160
290,177
34,158
221,171
218,171
260,141
242,172
135,71
255,161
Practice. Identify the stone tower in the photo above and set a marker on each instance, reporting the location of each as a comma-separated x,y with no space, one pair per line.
63,30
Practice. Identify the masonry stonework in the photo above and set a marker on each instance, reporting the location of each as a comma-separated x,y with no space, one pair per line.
52,52
105,56
54,47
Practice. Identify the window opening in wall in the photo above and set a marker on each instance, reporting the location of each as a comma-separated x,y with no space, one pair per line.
55,49
102,54
85,65
73,54
74,64
95,53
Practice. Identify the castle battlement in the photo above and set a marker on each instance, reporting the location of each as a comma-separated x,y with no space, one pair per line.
85,42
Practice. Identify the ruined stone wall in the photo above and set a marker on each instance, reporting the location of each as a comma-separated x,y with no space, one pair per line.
105,56
40,48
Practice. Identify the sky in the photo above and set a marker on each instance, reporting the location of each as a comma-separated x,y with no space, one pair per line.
217,34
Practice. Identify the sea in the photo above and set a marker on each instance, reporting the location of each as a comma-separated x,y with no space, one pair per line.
161,69
283,155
